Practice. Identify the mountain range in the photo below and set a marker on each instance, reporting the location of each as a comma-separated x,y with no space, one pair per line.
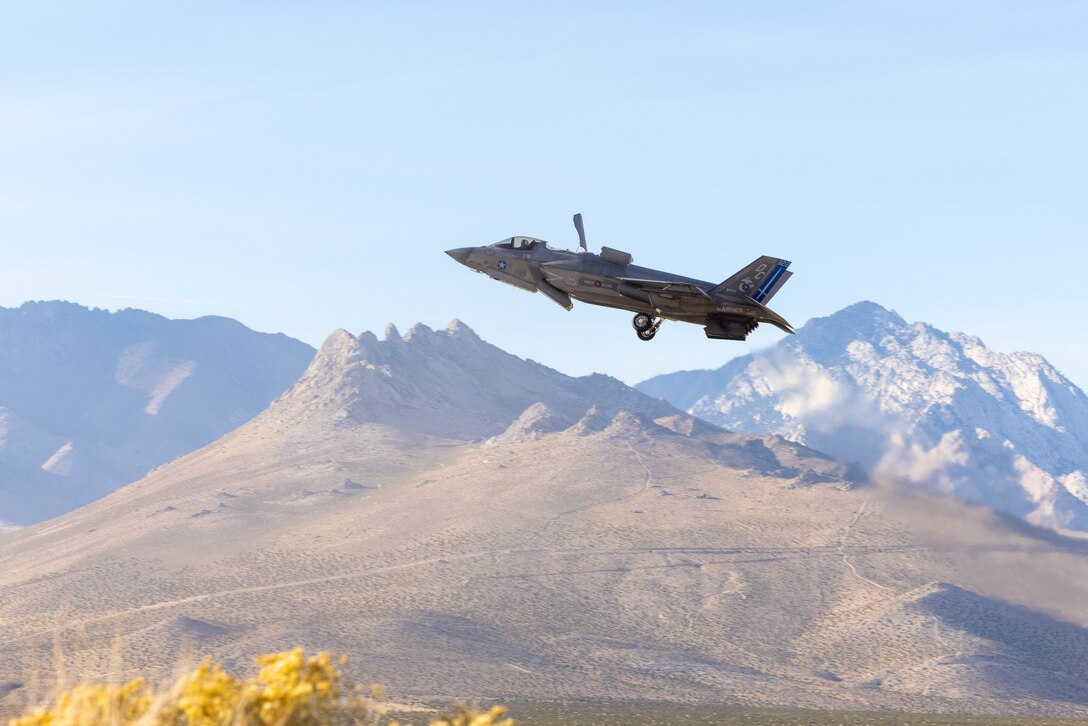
910,401
463,522
92,400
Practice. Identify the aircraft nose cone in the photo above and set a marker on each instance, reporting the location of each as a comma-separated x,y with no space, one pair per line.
460,254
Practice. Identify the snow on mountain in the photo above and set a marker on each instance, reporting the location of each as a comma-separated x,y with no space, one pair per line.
908,400
92,400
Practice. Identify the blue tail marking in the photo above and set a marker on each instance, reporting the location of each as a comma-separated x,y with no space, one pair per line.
769,283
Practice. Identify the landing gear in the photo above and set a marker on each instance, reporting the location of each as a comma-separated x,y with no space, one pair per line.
645,326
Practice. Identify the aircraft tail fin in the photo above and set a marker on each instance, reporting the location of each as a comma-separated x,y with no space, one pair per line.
776,287
760,280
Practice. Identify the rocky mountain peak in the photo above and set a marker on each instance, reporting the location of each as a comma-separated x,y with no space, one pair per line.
458,329
419,332
594,421
447,383
831,337
340,348
865,312
628,424
535,422
912,401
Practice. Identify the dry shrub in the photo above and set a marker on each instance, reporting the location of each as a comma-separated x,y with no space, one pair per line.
289,690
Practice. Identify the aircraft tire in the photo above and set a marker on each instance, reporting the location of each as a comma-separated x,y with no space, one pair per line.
641,322
647,334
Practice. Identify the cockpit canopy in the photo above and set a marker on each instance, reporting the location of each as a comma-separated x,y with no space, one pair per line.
521,243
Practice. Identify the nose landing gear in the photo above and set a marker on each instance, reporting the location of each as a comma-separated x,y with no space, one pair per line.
646,326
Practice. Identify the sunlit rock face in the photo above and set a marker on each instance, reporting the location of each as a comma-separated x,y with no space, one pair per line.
447,383
92,400
911,401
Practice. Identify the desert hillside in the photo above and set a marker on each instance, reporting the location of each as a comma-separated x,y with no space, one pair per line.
91,400
463,522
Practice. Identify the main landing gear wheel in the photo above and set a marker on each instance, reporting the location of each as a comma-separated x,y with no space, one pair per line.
646,326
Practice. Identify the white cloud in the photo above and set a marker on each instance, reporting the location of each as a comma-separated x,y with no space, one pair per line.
1043,490
907,459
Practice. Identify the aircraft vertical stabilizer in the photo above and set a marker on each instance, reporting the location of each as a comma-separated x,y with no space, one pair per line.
774,288
760,280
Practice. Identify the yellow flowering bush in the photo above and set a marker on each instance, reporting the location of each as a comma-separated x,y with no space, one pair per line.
468,717
289,690
94,704
208,696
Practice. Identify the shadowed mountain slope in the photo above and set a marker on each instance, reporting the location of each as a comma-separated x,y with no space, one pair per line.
569,538
91,400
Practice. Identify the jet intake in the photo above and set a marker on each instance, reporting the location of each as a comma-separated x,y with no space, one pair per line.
616,257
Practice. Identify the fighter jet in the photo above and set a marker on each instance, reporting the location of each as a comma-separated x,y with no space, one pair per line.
729,310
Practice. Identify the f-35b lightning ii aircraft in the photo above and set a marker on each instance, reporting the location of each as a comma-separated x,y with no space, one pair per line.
729,310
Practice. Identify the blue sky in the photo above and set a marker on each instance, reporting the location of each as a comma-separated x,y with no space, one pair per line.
301,167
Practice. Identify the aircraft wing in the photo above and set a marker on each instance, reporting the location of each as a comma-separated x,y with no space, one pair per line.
665,286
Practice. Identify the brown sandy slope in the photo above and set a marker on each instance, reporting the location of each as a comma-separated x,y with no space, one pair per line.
410,504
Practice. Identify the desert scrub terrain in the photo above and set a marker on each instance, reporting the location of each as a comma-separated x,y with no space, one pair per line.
663,714
289,690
